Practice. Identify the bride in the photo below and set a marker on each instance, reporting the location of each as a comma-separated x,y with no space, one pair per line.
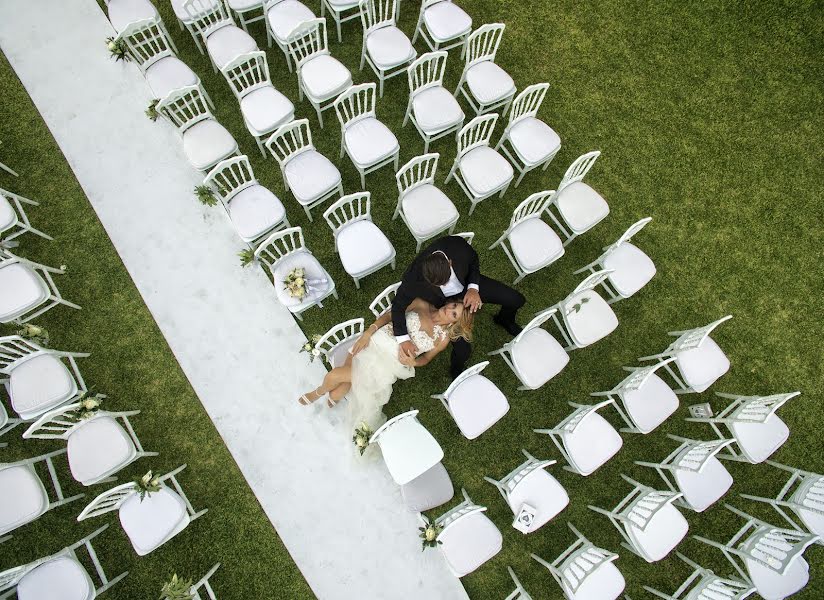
376,361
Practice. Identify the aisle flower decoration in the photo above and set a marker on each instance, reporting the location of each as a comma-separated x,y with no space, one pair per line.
206,195
89,404
118,49
177,588
312,347
34,333
578,305
151,110
247,257
295,284
362,436
429,536
147,485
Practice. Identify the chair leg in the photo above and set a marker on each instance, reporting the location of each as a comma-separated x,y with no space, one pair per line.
381,79
362,178
320,116
308,214
260,146
426,145
357,283
340,36
518,181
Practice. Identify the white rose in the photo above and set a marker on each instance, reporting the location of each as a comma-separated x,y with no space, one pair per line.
430,534
146,478
111,46
299,281
34,329
315,352
361,442
307,346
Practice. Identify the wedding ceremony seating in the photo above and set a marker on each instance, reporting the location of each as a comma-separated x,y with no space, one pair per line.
647,520
282,18
385,47
443,25
341,11
187,20
27,289
585,439
366,140
585,316
408,449
429,490
122,13
13,216
579,207
703,584
484,84
336,343
309,175
519,593
531,484
585,572
383,301
474,402
149,521
363,248
223,39
284,251
97,447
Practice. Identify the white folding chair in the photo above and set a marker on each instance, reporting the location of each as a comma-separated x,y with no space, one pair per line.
767,557
203,588
341,11
585,572
223,39
385,47
425,492
243,8
97,447
60,575
519,593
751,420
186,21
703,584
468,538
432,109
694,470
531,142
408,449
534,355
422,206
442,25
336,343
700,361
467,235
647,520
363,248
308,174
479,170
151,521
123,13
264,108
531,484
321,77
368,142
285,250
13,217
24,497
27,289
383,301
579,207
253,209
585,317
585,439
529,242
474,402
282,18
484,84
205,141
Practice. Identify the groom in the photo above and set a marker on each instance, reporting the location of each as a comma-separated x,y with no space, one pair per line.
449,270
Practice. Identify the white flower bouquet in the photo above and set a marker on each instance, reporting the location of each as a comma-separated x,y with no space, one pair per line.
118,49
311,347
89,405
148,484
429,536
361,438
34,333
295,283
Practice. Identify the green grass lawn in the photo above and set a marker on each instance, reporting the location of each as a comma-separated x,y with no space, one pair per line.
706,115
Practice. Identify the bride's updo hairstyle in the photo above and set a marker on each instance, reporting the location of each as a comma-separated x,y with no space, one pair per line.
462,328
435,268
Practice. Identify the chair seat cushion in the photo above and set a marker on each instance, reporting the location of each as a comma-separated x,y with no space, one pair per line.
98,448
651,404
40,384
489,83
771,585
535,244
470,542
155,519
429,490
428,210
435,110
533,140
324,77
62,578
206,143
605,583
254,211
759,440
632,269
484,171
23,499
285,16
541,491
593,442
340,353
167,74
368,141
266,109
476,405
313,270
123,12
446,20
21,289
363,246
662,534
702,366
594,320
703,488
310,176
389,47
539,357
228,42
581,207
8,218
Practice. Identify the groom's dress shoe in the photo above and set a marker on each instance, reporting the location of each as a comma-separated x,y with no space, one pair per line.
512,327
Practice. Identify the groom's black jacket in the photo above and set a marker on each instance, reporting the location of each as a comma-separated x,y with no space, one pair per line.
464,262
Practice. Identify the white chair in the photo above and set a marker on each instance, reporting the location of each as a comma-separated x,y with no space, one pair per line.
7,424
484,84
432,109
223,39
631,268
24,497
97,447
703,584
534,355
282,18
321,77
363,248
531,142
442,25
767,557
647,520
385,47
585,572
700,361
585,439
123,13
579,207
519,593
242,8
694,470
253,209
479,170
308,174
27,289
474,402
467,235
383,301
60,575
408,449
187,21
368,142
205,141
468,538
585,316
151,521
264,109
38,379
285,250
203,586
335,343
422,206
751,420
529,243
529,483
341,11
13,217
425,492
643,399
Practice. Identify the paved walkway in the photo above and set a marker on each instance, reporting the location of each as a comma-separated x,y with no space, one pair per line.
343,524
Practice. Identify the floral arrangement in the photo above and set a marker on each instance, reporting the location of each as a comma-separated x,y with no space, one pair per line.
148,484
89,405
34,333
362,436
312,347
578,305
247,257
295,283
118,49
151,110
177,588
429,536
206,195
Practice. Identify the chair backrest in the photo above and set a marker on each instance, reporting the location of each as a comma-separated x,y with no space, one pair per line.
230,176
514,477
592,281
203,585
146,41
207,16
482,44
355,103
643,503
307,41
470,372
290,140
14,349
383,301
532,207
528,102
411,414
247,73
58,424
279,245
628,234
418,171
538,320
695,337
580,560
468,236
184,107
640,375
757,409
775,547
347,210
696,454
578,169
519,593
581,412
108,501
478,132
340,333
464,509
376,14
426,71
703,584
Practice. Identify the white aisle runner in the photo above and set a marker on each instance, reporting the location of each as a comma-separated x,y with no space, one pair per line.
344,525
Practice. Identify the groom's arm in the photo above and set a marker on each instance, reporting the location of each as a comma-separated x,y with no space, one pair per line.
473,280
403,298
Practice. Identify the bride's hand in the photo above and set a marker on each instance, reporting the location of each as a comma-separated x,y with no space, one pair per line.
363,342
407,359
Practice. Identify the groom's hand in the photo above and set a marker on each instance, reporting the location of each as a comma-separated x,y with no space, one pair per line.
472,300
407,349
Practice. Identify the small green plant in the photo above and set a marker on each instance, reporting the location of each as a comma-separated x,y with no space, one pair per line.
206,195
34,333
361,438
151,110
148,484
177,588
247,257
429,536
118,49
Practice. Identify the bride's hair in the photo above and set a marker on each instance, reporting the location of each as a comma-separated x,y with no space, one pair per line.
462,328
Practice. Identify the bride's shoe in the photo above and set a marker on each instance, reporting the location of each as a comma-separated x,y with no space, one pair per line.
304,400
